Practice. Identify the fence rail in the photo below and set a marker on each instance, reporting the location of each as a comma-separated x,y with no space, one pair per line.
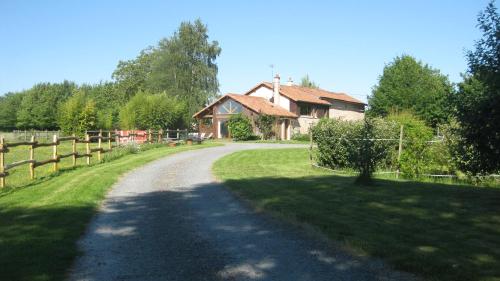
103,139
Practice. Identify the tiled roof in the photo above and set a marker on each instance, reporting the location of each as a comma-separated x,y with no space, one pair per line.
262,105
257,104
304,94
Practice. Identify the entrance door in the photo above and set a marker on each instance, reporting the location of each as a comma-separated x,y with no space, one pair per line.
223,130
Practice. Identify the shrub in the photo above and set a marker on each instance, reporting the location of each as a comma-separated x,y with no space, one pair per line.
301,137
415,157
240,127
354,144
374,147
266,123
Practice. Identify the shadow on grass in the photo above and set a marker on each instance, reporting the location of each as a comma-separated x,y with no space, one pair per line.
201,234
438,231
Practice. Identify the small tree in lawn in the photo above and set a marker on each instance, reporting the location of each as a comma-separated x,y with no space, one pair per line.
373,147
265,123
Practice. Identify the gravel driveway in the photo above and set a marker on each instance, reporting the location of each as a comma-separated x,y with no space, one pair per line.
170,220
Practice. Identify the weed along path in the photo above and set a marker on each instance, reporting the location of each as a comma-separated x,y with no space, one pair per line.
170,220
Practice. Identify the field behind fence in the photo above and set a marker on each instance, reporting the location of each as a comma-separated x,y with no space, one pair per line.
22,160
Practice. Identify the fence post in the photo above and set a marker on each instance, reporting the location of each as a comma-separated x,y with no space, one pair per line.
177,133
2,161
160,136
54,153
99,146
149,136
310,145
87,143
400,148
110,147
32,157
74,150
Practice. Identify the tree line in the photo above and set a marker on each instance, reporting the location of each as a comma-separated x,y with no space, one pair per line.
162,87
468,112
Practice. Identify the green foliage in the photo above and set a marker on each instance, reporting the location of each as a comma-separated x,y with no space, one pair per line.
352,144
38,107
477,102
9,105
266,124
416,156
408,84
77,114
373,147
301,137
147,111
308,83
182,66
240,127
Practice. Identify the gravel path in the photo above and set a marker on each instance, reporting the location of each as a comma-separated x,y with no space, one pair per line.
170,220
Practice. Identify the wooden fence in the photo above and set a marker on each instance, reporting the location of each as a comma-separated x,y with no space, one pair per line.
104,141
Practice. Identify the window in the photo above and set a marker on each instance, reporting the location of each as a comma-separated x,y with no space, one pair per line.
229,107
306,109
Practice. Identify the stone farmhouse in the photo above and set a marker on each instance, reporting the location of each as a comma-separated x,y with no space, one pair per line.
296,108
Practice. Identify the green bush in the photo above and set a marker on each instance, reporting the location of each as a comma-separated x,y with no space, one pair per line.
354,144
240,127
265,124
301,137
416,155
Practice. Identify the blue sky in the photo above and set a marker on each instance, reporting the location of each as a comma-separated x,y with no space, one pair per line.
342,45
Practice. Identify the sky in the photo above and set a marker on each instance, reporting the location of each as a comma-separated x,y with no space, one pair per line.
342,45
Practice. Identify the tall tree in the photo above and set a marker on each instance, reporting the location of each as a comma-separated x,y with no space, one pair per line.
185,66
77,114
478,99
38,109
9,105
308,83
131,76
408,84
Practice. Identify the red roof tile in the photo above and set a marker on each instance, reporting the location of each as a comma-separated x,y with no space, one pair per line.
304,94
257,104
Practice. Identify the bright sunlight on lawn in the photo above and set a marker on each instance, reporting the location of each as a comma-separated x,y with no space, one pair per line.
438,231
41,222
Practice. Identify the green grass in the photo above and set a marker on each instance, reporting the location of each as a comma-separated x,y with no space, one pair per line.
19,176
437,231
41,222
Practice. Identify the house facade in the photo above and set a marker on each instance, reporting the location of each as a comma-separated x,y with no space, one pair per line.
296,108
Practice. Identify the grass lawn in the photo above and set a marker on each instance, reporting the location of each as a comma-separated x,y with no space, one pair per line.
19,176
437,231
41,222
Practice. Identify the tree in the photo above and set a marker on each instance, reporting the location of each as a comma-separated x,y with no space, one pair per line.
9,105
148,111
77,114
408,84
477,103
308,83
38,109
186,68
183,66
131,76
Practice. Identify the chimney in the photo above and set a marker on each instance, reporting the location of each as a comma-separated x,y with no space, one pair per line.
276,89
289,82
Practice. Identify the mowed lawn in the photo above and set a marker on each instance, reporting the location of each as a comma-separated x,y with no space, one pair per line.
40,223
437,231
20,176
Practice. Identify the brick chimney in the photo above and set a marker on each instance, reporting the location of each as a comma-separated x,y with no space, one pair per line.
276,89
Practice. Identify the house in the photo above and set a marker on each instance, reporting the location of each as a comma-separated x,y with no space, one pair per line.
296,108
